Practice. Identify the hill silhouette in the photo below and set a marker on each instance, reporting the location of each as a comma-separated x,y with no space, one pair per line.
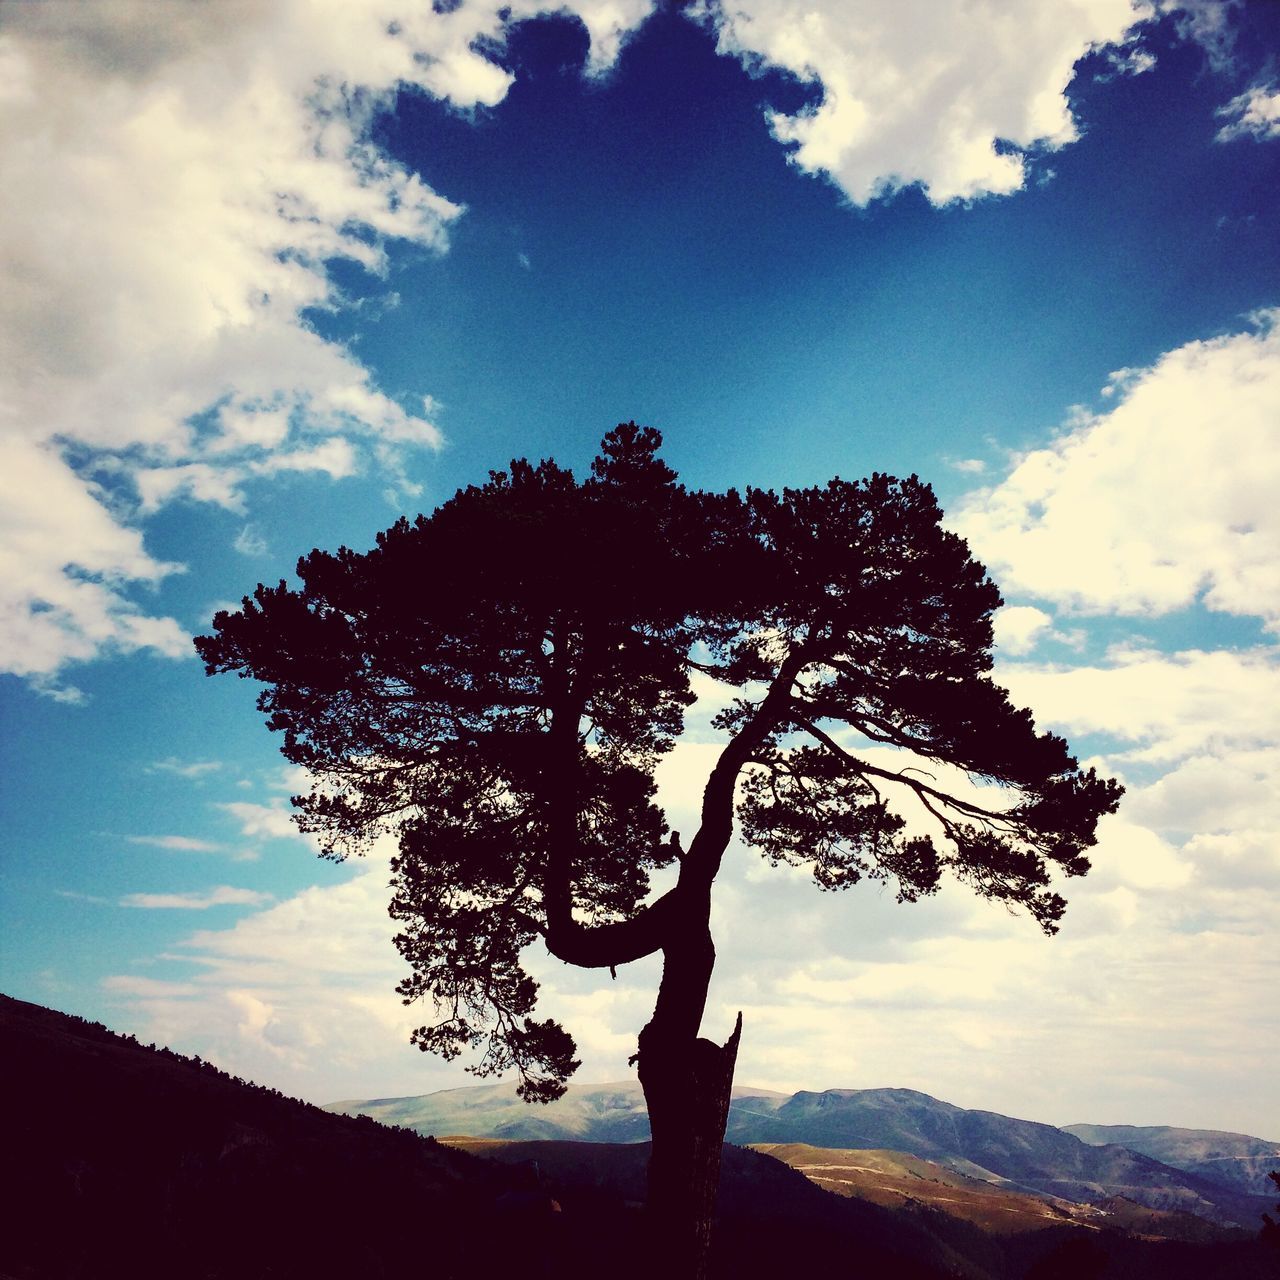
121,1159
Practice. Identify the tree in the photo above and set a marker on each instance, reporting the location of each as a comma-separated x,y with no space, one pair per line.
495,684
1270,1233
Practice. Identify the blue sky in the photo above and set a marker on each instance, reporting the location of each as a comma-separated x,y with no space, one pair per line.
275,275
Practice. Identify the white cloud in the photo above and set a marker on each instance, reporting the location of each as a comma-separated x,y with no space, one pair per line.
248,542
1018,628
63,559
185,844
1135,857
263,821
182,185
150,988
224,895
947,96
951,995
168,367
1242,861
192,769
300,995
1211,24
1164,499
1166,706
75,896
1253,114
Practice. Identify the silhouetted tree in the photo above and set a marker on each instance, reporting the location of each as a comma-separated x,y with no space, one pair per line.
495,684
1271,1226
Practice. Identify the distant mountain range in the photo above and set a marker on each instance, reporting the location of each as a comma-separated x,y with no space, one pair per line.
1020,1155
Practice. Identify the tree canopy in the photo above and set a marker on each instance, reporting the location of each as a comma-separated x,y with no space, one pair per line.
495,684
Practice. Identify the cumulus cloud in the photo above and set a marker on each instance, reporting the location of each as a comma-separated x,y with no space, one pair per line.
63,558
1162,706
183,185
263,821
183,190
1216,793
1253,114
1162,500
299,995
1019,627
951,995
950,97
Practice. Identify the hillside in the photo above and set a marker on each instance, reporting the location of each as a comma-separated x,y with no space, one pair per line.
1233,1159
126,1160
1019,1154
123,1159
895,1180
898,1181
774,1222
1030,1156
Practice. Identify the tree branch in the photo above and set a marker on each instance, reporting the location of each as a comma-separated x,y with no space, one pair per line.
604,946
921,789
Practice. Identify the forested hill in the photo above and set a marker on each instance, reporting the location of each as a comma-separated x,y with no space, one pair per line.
124,1159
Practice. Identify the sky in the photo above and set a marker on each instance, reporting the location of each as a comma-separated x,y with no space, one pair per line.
273,275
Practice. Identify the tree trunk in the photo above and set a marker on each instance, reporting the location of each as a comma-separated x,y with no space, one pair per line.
686,1079
686,1087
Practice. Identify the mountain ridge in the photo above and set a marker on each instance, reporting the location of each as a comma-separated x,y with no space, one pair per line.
1024,1155
1234,1159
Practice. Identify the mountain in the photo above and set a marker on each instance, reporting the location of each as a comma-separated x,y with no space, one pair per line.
122,1159
774,1222
1233,1159
894,1180
1019,1154
587,1113
591,1113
